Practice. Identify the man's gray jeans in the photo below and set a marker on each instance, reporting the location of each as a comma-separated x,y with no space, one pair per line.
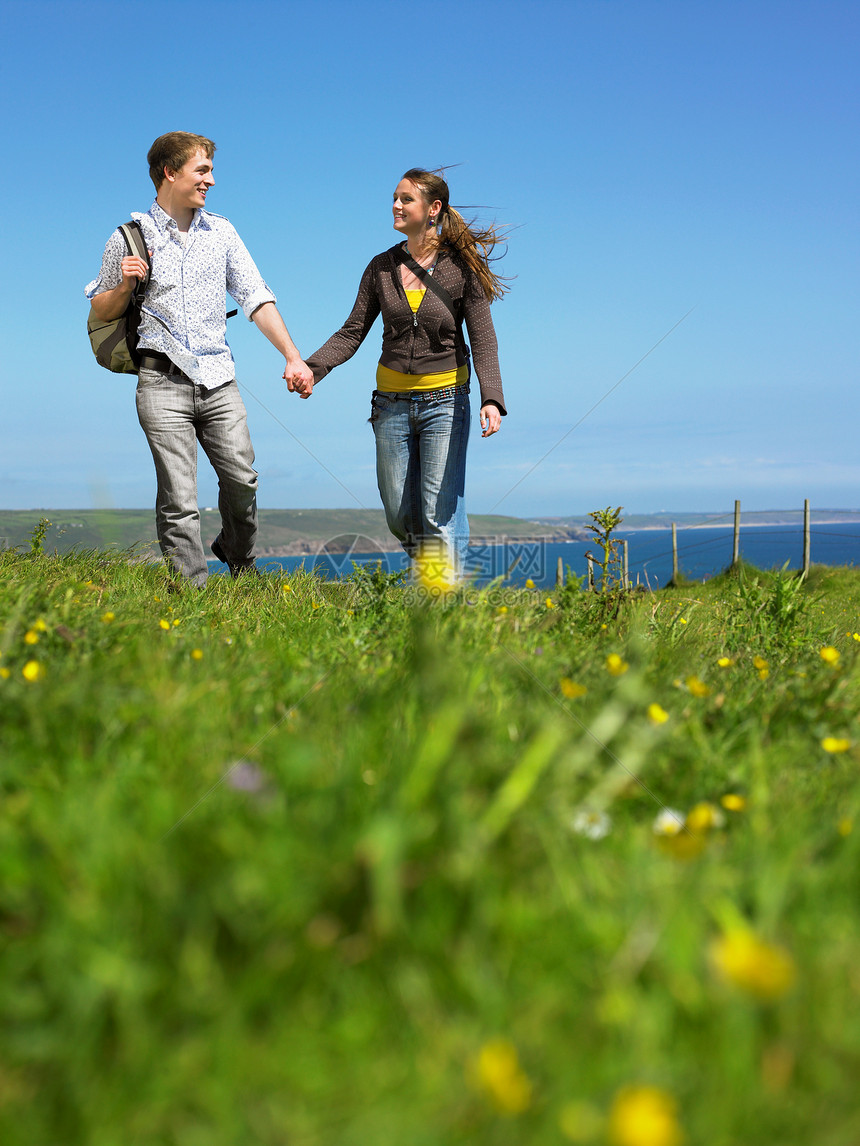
175,415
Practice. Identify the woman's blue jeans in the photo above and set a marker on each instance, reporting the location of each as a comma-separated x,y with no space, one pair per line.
421,440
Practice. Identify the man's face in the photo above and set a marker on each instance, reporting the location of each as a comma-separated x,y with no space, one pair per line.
192,181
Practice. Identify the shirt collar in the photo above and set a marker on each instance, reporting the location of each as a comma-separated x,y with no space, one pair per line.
166,222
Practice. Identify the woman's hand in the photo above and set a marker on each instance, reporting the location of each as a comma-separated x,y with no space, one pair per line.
300,379
491,419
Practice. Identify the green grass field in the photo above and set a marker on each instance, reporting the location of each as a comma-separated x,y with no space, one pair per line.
302,864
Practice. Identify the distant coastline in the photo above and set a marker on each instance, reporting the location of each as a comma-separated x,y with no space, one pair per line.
309,532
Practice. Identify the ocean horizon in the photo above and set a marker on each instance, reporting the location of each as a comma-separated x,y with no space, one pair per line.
703,552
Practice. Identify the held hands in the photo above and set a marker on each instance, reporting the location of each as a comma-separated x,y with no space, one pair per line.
491,419
299,378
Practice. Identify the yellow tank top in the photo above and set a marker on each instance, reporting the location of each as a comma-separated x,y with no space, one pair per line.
393,380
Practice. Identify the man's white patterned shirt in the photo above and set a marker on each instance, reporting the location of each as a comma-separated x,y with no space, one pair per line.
184,310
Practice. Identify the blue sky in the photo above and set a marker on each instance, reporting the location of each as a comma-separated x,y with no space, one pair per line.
654,157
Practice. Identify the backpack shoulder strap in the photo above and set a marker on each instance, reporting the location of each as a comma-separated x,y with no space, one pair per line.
428,280
437,288
134,240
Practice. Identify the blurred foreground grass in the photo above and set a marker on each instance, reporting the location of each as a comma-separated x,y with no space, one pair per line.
306,864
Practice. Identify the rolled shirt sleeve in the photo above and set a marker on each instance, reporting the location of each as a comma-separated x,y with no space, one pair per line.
110,275
244,282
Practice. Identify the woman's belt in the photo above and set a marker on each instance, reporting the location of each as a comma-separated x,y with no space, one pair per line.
427,395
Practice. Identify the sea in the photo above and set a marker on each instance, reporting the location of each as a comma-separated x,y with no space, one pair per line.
702,553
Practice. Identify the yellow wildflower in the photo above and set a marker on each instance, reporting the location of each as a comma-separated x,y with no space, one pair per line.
549,603
615,666
835,744
705,816
33,671
162,624
315,604
829,655
529,583
570,689
5,673
500,1076
755,967
697,687
40,626
845,826
759,663
682,621
197,654
286,588
656,714
31,638
725,662
107,618
502,609
176,621
733,803
855,636
644,1116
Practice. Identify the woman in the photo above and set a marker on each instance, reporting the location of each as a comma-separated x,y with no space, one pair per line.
420,408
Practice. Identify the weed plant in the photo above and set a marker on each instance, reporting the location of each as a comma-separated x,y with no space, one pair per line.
294,863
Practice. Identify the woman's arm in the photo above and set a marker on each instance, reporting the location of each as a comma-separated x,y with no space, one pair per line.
344,342
485,356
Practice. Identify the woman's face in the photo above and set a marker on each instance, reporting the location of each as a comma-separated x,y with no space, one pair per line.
411,210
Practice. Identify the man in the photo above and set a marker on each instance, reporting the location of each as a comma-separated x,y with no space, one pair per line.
186,390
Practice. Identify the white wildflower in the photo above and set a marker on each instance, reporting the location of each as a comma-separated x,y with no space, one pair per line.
669,822
591,824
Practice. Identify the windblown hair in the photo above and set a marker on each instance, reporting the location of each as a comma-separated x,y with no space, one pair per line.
472,243
173,150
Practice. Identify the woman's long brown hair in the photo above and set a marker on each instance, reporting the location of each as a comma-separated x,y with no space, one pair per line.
472,243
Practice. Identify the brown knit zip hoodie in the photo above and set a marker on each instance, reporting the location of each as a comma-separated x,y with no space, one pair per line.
424,343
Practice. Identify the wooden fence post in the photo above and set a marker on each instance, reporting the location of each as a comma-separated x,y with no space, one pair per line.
624,566
590,561
674,553
559,573
736,547
806,537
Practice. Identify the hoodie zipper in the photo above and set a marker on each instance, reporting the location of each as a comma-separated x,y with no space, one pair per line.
415,313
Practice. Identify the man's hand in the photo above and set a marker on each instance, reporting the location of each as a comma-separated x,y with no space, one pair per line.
133,268
491,419
299,378
110,304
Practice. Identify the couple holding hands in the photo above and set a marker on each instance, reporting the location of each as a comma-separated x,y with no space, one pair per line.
436,279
